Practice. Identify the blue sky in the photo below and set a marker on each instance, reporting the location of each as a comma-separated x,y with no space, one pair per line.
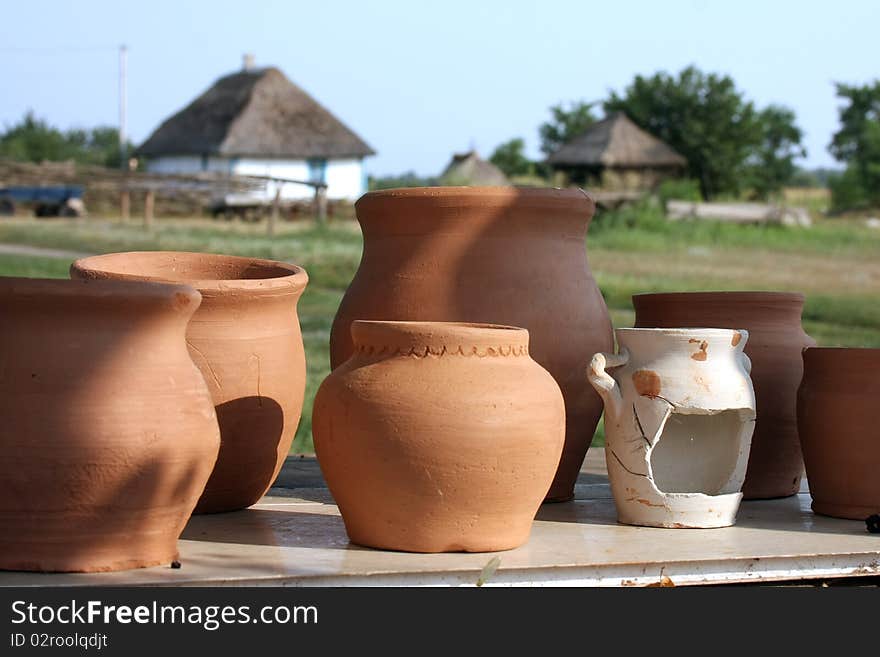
419,80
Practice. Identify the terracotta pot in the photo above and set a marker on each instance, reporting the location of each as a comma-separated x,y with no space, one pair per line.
246,340
679,415
773,322
109,432
438,437
837,404
497,255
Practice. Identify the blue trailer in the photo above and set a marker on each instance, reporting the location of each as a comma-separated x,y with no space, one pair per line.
47,201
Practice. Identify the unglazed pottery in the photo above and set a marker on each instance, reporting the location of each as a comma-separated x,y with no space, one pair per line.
246,340
438,437
109,432
495,255
773,320
679,416
840,435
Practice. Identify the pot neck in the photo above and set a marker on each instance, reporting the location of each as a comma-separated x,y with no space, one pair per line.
721,309
698,343
422,339
425,210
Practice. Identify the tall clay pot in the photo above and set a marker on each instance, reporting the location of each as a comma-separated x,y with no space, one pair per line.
246,340
438,437
840,436
499,255
109,432
773,322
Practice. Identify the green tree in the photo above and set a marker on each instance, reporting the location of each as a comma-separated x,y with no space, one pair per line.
511,158
566,124
857,144
34,140
703,117
772,164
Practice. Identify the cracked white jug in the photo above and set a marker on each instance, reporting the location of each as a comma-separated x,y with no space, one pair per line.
679,416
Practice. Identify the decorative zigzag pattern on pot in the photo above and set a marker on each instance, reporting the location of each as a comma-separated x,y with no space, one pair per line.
443,350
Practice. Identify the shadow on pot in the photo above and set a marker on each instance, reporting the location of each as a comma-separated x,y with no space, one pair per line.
250,433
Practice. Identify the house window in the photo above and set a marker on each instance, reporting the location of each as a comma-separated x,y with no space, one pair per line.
318,170
204,162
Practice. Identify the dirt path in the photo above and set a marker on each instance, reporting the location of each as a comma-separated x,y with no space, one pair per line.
40,252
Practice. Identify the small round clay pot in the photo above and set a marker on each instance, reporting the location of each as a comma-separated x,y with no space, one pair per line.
773,322
438,437
837,423
246,340
109,431
499,255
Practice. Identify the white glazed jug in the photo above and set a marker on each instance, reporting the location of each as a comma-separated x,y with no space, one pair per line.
679,416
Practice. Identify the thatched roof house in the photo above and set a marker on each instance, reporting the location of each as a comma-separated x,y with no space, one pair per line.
618,153
470,169
258,122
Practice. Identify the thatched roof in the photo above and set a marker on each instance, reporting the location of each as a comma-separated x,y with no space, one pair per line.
255,113
470,169
616,142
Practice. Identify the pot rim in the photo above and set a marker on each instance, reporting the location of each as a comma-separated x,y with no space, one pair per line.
178,295
294,278
497,196
683,331
728,295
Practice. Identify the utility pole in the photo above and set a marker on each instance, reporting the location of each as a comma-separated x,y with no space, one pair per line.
123,65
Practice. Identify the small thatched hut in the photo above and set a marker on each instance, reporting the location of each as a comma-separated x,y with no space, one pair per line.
470,169
257,122
617,154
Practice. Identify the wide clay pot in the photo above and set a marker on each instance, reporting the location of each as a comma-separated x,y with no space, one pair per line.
109,432
246,340
498,255
438,437
839,432
679,416
773,322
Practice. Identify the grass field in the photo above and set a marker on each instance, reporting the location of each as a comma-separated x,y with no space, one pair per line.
835,263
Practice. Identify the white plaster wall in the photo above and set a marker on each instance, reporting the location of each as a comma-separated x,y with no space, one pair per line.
344,178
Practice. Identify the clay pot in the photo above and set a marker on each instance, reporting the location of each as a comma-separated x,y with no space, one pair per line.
773,321
679,415
837,404
246,340
438,437
109,432
499,255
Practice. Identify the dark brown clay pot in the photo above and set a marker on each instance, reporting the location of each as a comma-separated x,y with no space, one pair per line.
839,432
109,432
246,340
773,321
499,255
438,437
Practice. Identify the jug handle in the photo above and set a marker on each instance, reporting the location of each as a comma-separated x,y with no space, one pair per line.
603,382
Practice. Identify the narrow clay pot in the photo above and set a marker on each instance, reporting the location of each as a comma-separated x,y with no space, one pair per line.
679,416
438,437
773,322
837,423
246,340
109,431
495,255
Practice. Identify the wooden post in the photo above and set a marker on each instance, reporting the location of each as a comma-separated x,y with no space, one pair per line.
125,204
276,210
149,204
321,204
